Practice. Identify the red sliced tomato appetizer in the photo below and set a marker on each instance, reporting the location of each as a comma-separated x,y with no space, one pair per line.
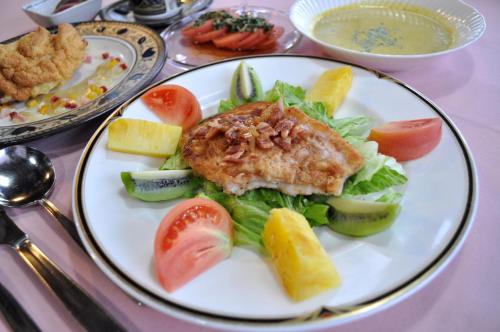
194,30
234,32
209,36
407,140
193,237
277,32
174,104
269,42
250,41
271,38
230,40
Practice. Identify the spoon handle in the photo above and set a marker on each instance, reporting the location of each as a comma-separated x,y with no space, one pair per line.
90,315
17,318
63,220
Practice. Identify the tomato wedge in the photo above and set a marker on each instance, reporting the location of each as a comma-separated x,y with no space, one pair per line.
407,140
209,36
192,30
174,104
194,236
229,40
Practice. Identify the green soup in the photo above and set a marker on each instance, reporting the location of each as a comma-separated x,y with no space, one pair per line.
388,29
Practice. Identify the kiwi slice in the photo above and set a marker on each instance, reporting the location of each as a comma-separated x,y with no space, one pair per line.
245,86
361,218
153,186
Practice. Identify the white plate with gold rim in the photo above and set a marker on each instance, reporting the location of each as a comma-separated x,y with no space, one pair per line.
242,292
465,24
142,54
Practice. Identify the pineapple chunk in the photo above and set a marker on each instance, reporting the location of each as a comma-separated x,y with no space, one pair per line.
301,262
143,137
332,87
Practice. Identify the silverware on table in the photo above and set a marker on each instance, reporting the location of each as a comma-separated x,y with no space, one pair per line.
90,315
17,318
27,176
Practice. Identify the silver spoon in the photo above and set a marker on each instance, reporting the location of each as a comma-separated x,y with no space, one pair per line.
26,178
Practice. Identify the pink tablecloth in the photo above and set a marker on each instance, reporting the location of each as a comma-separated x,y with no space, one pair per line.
464,297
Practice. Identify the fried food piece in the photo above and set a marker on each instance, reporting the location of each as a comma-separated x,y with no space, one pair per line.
260,145
39,61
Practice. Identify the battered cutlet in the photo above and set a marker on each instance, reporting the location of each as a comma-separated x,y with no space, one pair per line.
39,61
261,145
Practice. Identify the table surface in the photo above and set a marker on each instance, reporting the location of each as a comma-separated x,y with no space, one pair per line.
464,297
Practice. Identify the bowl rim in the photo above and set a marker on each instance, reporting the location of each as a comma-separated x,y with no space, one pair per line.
31,7
379,56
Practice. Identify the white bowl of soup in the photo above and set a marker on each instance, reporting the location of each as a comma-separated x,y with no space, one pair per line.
388,35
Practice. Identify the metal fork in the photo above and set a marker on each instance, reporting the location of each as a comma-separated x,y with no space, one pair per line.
90,315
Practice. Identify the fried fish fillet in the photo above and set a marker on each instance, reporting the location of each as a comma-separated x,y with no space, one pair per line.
261,145
39,61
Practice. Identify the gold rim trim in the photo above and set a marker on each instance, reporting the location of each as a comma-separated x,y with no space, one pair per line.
323,314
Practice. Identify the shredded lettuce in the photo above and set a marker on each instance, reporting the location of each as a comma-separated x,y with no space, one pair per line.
251,210
379,172
316,213
291,95
356,126
225,105
391,196
175,162
295,96
249,216
384,178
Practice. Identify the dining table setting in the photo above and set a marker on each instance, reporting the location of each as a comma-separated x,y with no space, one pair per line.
155,172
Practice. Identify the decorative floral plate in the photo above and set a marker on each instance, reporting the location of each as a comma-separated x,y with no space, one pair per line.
137,49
